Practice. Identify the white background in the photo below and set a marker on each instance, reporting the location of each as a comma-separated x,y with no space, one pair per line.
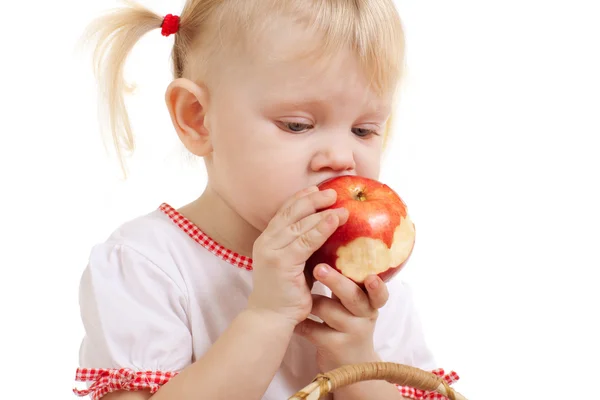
496,153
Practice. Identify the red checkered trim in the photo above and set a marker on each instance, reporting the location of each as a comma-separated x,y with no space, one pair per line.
416,394
112,380
203,239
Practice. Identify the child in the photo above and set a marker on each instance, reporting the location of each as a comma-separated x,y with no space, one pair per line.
210,301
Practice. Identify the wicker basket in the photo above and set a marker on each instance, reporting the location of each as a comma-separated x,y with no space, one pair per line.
399,374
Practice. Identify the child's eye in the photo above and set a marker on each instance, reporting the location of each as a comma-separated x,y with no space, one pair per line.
296,127
362,132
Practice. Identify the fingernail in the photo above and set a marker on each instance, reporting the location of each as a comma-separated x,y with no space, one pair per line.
322,271
330,192
343,213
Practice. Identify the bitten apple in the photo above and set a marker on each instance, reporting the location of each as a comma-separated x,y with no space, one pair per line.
378,237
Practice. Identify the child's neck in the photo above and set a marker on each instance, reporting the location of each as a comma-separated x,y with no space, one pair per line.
216,219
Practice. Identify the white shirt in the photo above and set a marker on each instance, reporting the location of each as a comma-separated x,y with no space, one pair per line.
159,292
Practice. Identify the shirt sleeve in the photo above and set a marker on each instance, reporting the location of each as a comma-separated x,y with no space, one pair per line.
402,340
400,333
137,333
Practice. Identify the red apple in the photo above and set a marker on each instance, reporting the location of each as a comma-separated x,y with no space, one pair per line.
378,237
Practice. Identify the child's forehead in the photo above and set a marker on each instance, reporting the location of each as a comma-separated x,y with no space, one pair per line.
297,62
317,79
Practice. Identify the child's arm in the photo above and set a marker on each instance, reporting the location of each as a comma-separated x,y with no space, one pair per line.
244,360
240,365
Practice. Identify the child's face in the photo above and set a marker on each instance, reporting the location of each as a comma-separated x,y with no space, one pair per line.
280,126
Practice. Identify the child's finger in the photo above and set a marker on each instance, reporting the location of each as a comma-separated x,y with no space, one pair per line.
299,228
377,291
298,195
300,207
348,292
303,246
319,334
332,312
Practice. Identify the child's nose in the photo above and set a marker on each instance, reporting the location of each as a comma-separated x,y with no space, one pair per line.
335,157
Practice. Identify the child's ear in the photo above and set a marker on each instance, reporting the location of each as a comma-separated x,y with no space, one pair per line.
187,103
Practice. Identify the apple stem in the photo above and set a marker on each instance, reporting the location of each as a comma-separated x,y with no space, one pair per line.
360,196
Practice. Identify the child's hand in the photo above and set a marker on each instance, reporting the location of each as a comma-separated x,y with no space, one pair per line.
281,251
346,336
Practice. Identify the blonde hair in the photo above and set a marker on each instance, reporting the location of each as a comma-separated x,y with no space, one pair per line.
211,29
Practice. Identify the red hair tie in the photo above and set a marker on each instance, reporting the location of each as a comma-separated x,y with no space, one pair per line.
170,25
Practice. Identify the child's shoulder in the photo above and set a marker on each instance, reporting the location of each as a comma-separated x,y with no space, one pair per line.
147,234
162,230
147,243
163,244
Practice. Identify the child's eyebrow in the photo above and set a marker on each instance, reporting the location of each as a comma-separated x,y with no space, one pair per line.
289,103
372,110
304,103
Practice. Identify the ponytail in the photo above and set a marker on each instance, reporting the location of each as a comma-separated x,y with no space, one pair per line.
114,35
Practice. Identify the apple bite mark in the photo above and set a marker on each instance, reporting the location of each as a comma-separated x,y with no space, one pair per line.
366,256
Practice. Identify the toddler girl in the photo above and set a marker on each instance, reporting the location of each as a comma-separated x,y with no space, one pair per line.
209,301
